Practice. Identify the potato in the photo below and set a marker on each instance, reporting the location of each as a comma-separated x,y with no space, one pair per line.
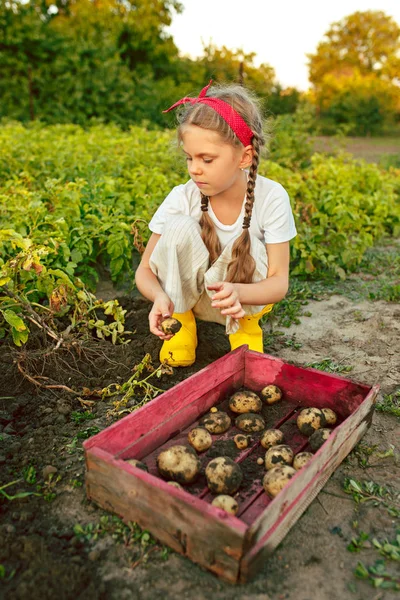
175,484
330,416
223,475
227,503
241,441
318,438
301,459
244,402
271,394
170,325
216,422
271,437
179,463
138,464
278,455
200,439
250,422
310,419
276,479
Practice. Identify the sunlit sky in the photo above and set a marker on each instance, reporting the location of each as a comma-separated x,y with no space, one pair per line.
280,32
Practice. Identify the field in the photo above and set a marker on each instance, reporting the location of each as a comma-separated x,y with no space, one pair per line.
384,149
54,543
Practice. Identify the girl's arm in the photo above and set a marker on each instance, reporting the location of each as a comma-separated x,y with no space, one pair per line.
149,286
230,296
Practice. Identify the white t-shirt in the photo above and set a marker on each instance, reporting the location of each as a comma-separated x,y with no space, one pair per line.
272,219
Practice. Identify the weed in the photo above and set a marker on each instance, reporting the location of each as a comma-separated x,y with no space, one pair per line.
87,433
76,483
80,417
330,366
390,404
130,535
377,575
15,496
81,435
29,474
48,488
137,384
369,491
289,310
4,576
388,549
358,543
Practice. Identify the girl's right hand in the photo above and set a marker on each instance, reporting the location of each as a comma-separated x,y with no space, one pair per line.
163,307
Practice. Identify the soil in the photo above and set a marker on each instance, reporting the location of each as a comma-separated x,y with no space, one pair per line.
42,557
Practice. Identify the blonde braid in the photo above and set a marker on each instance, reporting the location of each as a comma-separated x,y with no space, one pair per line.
242,266
208,232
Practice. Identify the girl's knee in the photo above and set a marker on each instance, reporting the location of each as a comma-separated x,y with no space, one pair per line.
180,230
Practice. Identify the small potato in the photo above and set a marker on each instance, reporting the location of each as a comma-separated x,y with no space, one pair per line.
244,402
278,455
175,484
170,325
179,463
241,441
216,422
250,422
330,416
271,437
301,459
200,439
271,394
227,503
223,475
275,480
318,438
138,464
310,419
260,461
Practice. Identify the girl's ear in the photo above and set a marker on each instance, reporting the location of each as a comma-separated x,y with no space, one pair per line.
247,157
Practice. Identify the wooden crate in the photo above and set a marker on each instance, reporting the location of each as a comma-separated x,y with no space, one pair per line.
233,547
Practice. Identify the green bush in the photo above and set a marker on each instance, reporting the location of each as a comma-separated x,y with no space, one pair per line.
78,193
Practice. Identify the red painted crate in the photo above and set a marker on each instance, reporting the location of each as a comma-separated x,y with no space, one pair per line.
233,547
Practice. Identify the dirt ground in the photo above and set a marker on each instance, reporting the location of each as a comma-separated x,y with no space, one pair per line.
42,556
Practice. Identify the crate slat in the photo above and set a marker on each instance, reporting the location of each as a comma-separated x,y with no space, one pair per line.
204,533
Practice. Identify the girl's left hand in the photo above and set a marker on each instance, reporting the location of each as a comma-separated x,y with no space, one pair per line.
227,299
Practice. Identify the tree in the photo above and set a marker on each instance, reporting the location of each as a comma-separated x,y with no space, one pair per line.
368,41
229,66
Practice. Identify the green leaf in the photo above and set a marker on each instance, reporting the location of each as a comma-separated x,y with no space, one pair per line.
14,320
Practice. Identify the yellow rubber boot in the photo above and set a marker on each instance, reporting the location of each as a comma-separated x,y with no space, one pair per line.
250,332
180,350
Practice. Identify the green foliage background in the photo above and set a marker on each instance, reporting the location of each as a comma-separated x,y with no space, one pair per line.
78,192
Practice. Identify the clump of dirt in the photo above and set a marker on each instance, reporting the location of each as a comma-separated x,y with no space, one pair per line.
54,543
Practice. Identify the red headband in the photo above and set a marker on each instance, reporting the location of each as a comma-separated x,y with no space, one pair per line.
225,110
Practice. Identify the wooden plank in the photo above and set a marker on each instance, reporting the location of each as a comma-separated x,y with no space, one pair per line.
165,409
291,511
204,533
301,480
302,386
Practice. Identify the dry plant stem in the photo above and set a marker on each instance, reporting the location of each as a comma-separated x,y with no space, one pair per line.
42,385
136,563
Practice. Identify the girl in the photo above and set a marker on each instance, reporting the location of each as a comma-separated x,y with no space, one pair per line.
219,248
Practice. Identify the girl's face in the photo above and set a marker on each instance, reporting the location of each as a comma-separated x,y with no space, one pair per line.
213,164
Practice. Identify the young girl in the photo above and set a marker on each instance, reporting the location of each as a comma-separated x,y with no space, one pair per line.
219,248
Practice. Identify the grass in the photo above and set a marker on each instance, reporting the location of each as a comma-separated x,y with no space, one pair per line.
390,404
377,278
